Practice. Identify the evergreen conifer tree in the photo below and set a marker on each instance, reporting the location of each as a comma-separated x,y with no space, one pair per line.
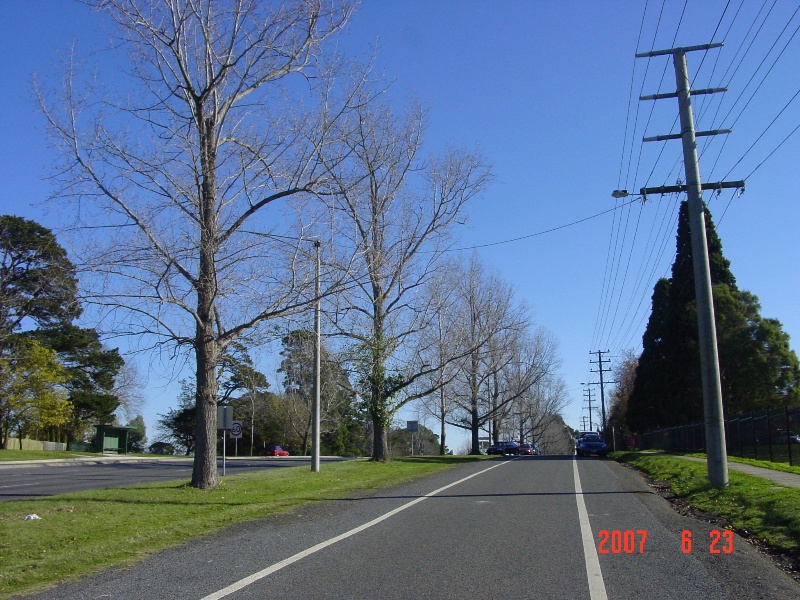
758,369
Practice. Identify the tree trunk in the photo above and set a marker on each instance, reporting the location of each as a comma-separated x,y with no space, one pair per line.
207,350
380,440
204,471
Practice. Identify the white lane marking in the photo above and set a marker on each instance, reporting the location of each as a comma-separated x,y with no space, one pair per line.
597,588
17,485
242,583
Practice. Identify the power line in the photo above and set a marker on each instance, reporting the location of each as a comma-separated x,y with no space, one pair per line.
538,233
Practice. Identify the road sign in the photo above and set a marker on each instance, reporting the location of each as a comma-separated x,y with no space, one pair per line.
224,417
412,426
236,429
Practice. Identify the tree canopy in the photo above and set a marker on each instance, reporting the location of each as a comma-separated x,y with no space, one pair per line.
37,280
758,369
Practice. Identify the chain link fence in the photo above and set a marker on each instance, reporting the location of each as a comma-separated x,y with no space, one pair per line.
772,435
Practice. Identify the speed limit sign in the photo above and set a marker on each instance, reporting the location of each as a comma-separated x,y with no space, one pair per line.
236,429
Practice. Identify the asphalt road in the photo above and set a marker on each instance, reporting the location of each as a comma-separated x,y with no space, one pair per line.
504,528
26,480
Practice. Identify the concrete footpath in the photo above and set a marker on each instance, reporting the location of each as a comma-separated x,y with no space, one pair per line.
781,477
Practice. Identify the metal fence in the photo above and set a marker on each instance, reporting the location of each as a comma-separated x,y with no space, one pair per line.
765,435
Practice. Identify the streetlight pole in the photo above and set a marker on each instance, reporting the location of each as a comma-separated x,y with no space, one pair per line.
317,376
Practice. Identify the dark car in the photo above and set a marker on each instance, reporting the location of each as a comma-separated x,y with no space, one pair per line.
529,449
274,451
591,443
504,448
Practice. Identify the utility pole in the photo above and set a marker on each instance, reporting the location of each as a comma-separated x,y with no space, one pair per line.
315,452
588,394
709,361
583,423
601,383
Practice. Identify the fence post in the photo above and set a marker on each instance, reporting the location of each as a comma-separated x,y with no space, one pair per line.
788,439
755,441
739,433
769,433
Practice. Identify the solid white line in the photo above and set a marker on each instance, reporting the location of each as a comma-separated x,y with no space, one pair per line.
301,555
597,588
17,485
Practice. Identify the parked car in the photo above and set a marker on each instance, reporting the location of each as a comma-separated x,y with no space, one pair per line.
591,444
504,448
529,449
274,451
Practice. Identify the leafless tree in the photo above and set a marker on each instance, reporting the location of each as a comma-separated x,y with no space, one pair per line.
507,381
128,385
226,111
490,321
441,343
395,208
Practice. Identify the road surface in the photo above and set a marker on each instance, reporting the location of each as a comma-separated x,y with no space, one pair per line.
504,528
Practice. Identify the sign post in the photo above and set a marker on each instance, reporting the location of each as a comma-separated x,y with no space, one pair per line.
412,427
224,422
236,433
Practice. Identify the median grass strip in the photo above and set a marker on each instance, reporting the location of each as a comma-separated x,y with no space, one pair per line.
84,532
756,507
19,455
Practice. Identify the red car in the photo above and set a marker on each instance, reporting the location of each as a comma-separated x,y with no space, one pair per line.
274,451
529,449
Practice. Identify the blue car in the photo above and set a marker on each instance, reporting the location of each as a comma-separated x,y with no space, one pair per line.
591,443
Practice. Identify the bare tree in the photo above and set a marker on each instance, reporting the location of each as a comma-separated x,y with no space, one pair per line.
128,385
507,381
179,183
395,209
441,343
491,322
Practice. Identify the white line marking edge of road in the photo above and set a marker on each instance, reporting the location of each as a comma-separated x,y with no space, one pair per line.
242,583
597,588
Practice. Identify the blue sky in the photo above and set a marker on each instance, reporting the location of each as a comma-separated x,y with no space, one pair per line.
549,91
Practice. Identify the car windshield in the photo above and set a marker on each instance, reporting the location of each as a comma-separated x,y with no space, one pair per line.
592,438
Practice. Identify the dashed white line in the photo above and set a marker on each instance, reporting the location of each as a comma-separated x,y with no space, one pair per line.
242,583
597,588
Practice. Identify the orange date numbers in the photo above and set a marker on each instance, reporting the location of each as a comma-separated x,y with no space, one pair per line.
721,541
618,542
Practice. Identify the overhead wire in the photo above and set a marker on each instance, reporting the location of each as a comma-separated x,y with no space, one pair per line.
605,330
639,282
536,234
763,79
616,227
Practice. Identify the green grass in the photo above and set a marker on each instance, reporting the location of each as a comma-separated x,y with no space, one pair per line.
87,531
17,455
760,507
765,464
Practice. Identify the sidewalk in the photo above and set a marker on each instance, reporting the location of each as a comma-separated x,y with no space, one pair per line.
781,477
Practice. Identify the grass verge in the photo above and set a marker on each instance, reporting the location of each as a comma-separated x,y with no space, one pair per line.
85,532
765,464
18,455
754,507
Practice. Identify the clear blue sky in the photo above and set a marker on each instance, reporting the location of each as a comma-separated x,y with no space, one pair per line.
549,91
